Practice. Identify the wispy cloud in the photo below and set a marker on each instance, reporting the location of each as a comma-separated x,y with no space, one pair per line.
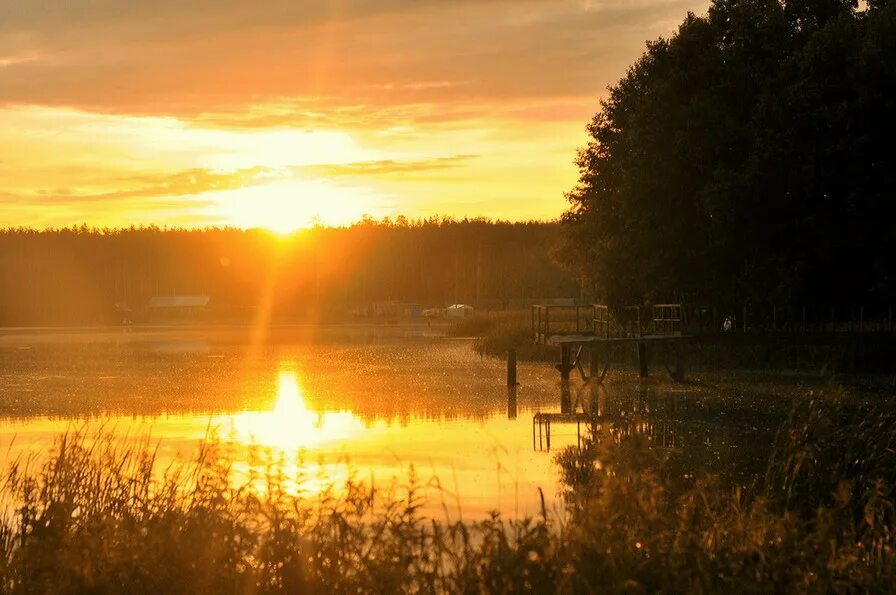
158,186
387,167
184,57
169,110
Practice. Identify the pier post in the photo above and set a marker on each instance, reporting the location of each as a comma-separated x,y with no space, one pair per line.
594,361
511,402
511,368
679,362
642,359
564,362
565,399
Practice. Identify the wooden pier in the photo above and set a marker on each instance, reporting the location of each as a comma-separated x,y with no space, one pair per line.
591,331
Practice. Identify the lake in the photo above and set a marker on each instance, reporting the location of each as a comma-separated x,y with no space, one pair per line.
370,402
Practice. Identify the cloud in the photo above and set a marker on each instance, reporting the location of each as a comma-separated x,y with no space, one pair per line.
386,167
148,186
191,182
183,58
122,111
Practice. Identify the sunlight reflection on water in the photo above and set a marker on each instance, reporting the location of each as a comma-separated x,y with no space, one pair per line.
328,405
290,425
426,404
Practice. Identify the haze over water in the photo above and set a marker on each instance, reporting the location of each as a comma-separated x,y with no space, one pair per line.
374,403
369,402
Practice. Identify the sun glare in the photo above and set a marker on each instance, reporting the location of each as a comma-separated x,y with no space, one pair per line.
290,424
286,206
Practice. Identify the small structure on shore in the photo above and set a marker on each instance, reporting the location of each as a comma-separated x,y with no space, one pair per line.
458,311
168,307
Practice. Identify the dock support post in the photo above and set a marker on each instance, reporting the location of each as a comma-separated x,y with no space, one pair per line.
679,362
594,362
564,362
511,402
565,399
511,368
642,359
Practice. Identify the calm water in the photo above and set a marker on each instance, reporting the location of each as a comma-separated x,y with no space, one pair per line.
373,402
369,401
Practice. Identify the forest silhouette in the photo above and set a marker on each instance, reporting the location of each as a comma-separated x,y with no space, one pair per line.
85,276
748,157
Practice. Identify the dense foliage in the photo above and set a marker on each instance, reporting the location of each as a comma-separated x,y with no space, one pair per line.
748,157
100,518
78,275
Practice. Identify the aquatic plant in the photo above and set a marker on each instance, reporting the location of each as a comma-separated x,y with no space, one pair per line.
100,516
498,332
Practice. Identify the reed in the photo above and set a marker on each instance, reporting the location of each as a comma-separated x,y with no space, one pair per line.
498,332
98,516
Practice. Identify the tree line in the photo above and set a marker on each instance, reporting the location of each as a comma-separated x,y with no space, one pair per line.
747,158
78,275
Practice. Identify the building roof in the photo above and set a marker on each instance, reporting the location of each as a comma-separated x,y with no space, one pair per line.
178,301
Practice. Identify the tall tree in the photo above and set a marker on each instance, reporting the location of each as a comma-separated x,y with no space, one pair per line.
748,157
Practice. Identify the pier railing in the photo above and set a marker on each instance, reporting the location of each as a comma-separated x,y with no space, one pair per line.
556,320
774,318
689,319
595,320
668,319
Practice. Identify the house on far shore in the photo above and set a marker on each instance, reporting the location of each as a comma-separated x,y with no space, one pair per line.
177,307
458,311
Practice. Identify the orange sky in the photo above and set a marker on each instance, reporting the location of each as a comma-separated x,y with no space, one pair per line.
280,113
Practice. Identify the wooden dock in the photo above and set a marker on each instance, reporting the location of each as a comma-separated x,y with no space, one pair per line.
591,331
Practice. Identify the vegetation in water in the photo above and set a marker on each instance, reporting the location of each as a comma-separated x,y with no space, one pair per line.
497,332
102,518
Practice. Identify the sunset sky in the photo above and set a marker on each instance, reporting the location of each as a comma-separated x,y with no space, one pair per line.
282,113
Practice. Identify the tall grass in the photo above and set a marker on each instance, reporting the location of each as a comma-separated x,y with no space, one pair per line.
99,517
102,518
498,332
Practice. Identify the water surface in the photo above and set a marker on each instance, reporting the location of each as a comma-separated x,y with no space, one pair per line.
370,401
374,403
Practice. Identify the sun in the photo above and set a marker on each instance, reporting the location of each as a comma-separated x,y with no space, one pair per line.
286,206
283,229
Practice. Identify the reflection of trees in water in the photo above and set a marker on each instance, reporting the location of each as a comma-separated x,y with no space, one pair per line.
691,430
